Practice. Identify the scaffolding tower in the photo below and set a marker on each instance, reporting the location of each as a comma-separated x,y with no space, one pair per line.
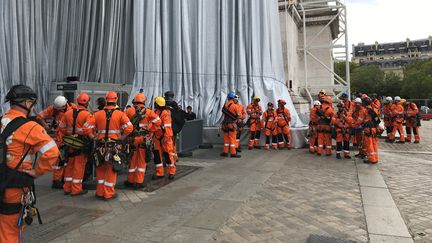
326,14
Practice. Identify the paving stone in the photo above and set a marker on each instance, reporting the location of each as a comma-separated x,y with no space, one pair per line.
389,239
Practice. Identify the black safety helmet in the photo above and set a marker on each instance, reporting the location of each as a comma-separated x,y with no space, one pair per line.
19,93
101,103
169,95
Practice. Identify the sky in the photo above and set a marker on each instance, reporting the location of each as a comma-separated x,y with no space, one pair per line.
388,20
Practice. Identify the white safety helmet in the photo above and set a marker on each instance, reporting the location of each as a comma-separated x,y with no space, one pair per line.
357,100
389,99
316,102
397,98
60,102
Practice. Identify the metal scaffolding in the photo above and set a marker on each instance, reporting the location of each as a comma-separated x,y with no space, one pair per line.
326,13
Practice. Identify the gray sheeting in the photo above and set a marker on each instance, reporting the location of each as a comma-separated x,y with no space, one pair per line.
200,49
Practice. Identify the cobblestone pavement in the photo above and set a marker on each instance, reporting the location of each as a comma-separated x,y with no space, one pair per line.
407,170
266,196
306,196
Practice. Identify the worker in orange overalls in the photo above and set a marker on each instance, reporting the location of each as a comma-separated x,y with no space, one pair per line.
112,126
254,111
163,142
371,130
376,103
313,134
232,113
145,122
342,122
322,95
387,114
55,112
357,128
23,138
74,123
268,123
348,104
240,122
325,113
397,120
283,119
412,121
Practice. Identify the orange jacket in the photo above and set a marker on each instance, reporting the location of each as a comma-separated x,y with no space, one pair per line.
364,114
313,115
83,122
30,135
243,114
356,115
283,117
376,104
397,113
119,123
269,119
342,120
150,121
254,112
411,110
165,128
349,105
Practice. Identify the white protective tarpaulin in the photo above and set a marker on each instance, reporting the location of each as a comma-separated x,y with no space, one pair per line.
199,49
202,49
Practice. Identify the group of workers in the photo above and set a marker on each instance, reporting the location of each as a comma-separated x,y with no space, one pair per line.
108,137
275,123
359,122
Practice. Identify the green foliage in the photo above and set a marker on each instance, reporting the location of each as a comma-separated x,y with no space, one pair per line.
416,83
367,79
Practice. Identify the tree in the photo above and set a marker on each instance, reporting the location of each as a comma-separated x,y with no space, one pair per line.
367,79
339,68
417,82
392,85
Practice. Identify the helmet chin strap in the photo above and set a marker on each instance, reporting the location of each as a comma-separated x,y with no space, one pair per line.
28,109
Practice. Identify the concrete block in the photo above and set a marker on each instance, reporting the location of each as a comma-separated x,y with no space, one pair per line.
389,239
385,221
377,197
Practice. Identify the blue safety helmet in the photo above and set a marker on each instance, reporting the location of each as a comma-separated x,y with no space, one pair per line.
231,95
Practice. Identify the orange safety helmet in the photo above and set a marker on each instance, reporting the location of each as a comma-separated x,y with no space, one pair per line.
83,99
140,98
111,97
328,99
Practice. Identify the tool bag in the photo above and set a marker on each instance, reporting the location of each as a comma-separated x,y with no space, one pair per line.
75,141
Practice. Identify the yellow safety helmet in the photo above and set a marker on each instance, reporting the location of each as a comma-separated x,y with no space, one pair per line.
256,97
402,101
160,101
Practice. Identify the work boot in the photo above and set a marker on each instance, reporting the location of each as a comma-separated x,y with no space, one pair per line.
223,154
99,197
111,198
171,177
366,161
235,156
80,193
257,147
318,154
289,147
359,155
400,142
267,147
338,156
416,141
66,193
347,157
57,185
250,148
156,177
128,184
238,150
328,154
